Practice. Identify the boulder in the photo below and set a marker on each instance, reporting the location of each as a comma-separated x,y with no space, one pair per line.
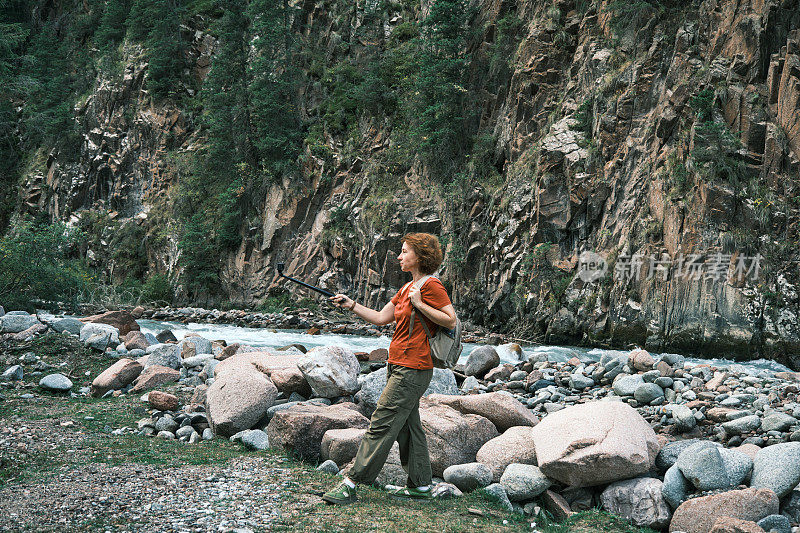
671,451
501,408
163,355
228,351
647,392
122,321
15,323
331,371
468,477
481,360
12,373
778,422
626,385
237,400
641,360
341,445
289,380
117,376
726,524
56,383
163,401
775,523
704,468
166,336
201,344
255,439
67,325
638,501
741,425
738,465
262,361
777,467
502,373
300,428
453,438
698,515
594,443
515,445
153,376
136,340
523,482
675,488
97,333
372,385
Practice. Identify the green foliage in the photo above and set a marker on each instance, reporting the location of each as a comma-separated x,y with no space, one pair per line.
37,264
199,256
111,30
437,108
502,52
584,117
273,83
157,288
156,23
714,144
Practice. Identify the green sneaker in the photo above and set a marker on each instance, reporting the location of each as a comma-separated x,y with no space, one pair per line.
412,493
340,495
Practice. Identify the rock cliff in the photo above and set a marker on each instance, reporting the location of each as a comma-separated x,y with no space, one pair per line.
663,131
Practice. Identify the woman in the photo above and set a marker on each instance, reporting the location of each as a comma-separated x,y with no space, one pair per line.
409,372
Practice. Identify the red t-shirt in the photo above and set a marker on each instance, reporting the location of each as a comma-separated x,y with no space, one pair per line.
415,352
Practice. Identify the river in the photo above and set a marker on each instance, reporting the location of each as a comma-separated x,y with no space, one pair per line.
271,338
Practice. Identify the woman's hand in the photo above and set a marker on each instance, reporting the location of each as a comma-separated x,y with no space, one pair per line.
342,301
415,296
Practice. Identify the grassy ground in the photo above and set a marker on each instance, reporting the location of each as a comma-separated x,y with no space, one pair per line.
63,433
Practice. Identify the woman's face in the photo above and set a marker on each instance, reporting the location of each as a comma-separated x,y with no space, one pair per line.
408,258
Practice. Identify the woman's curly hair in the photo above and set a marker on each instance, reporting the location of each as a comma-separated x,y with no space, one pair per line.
428,250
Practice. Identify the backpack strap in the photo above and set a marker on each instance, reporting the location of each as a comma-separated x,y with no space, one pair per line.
419,283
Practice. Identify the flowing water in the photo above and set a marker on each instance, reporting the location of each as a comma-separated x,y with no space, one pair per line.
271,338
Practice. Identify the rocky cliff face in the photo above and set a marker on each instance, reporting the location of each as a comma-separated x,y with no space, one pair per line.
667,131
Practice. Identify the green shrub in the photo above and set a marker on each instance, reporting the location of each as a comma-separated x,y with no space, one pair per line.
157,288
38,267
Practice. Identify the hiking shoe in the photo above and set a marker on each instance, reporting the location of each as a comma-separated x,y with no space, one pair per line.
412,493
340,495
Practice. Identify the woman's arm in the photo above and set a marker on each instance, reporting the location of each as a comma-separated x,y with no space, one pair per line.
379,318
445,317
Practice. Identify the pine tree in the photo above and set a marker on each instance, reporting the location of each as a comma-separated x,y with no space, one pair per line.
112,23
273,87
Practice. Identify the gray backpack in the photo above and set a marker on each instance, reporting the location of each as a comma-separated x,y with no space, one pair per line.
446,344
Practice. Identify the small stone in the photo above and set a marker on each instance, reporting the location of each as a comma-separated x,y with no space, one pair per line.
166,435
498,493
166,423
12,373
523,482
55,383
778,422
208,434
255,439
741,425
443,491
162,401
468,477
775,523
329,466
184,432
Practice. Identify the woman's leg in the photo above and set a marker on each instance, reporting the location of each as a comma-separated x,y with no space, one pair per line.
394,406
414,454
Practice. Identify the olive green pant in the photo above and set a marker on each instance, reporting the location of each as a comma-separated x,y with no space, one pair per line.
396,418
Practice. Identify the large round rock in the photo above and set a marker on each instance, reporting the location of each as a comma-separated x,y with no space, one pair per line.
515,445
595,443
331,371
453,438
639,501
523,482
468,477
777,467
481,360
237,400
500,407
300,428
698,515
56,383
117,376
